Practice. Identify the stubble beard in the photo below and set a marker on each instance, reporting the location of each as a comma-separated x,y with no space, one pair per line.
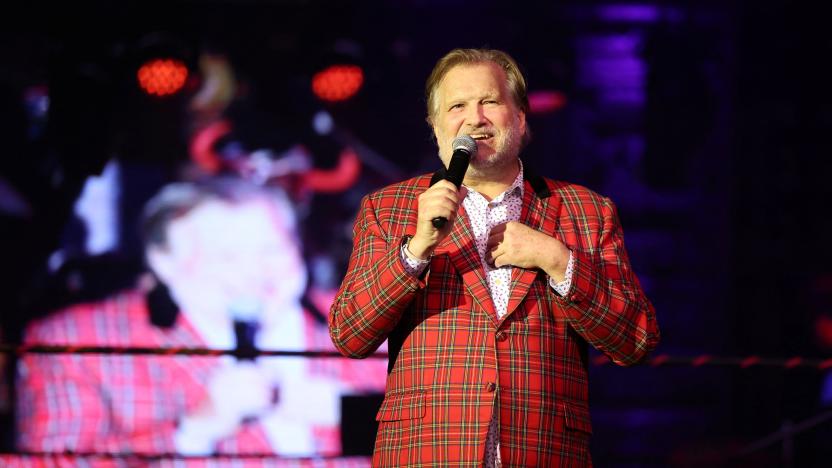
503,159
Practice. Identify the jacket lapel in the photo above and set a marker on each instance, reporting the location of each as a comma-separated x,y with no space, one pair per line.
539,213
462,251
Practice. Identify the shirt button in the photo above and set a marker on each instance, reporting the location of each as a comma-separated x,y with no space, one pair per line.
490,387
501,336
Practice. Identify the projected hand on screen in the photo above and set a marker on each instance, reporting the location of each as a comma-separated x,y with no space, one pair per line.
237,392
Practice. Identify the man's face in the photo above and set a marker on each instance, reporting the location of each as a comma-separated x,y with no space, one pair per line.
474,99
223,255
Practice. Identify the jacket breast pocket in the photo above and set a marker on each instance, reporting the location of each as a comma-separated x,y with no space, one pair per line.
576,417
401,406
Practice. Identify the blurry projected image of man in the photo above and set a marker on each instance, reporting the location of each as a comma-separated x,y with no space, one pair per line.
228,253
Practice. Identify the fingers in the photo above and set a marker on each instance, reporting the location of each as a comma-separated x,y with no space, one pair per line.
442,186
443,190
489,258
440,200
494,249
499,229
498,258
498,249
245,377
494,239
515,244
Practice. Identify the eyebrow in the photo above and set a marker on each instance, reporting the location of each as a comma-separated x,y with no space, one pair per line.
464,98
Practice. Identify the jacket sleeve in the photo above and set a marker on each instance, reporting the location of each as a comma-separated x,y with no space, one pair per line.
376,290
606,304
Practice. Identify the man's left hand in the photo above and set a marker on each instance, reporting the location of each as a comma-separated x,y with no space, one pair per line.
516,244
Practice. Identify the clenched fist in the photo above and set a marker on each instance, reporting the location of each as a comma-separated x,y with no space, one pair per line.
516,244
440,200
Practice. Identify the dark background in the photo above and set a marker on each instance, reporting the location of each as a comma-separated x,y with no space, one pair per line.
707,123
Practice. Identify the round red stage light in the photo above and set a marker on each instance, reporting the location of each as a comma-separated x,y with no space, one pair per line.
337,82
162,77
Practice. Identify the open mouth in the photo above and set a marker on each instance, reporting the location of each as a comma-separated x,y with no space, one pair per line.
480,136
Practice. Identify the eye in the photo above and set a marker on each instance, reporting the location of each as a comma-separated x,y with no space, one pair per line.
458,105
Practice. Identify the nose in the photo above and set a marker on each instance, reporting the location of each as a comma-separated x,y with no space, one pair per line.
475,116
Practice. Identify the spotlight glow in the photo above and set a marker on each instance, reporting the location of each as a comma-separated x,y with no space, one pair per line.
337,82
162,77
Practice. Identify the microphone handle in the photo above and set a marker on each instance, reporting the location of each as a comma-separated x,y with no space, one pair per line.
439,222
455,174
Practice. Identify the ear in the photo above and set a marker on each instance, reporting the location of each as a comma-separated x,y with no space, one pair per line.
429,120
522,116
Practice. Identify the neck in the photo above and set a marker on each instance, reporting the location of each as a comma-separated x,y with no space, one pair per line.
494,182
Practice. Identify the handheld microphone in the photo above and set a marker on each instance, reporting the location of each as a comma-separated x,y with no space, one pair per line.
464,147
246,313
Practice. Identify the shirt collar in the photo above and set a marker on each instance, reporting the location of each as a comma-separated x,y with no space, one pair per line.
517,185
516,188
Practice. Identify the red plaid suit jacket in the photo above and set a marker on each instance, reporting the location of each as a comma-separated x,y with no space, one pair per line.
131,404
451,359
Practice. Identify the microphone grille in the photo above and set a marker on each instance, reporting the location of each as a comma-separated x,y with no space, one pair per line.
465,143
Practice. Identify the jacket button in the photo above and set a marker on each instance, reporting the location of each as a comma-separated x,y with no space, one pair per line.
490,387
501,336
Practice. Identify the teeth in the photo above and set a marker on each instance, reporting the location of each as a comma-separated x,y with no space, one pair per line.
479,136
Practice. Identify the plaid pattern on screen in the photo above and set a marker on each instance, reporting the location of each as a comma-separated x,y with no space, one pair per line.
131,404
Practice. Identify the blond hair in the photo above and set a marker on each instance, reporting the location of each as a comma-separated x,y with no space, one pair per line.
514,77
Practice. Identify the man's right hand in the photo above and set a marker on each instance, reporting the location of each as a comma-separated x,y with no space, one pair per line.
236,391
440,200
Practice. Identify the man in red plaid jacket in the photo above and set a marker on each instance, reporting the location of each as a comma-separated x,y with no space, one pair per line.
488,318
